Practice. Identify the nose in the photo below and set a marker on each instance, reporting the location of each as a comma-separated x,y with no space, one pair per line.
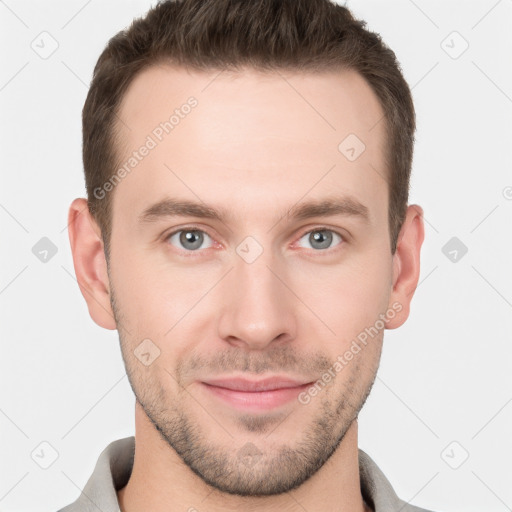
257,308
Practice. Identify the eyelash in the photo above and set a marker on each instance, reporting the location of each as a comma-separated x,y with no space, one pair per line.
195,253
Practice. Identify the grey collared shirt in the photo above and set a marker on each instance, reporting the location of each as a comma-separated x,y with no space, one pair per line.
114,467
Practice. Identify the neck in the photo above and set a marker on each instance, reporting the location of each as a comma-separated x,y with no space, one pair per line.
160,481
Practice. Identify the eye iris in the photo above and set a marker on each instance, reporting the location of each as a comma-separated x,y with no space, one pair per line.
195,238
319,236
189,236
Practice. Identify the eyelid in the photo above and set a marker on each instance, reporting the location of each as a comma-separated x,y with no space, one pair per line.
191,227
344,238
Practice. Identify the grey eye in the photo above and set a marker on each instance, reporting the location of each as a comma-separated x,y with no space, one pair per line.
189,239
321,238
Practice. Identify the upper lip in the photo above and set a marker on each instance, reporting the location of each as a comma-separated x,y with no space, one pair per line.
269,383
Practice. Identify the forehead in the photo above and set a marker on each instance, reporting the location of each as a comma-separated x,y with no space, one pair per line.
332,102
250,131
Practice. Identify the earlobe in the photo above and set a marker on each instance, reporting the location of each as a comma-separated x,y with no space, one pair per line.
89,262
406,265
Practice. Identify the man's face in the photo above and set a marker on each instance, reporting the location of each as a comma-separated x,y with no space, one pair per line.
259,292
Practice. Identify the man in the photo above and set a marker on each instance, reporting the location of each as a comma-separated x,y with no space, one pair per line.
247,232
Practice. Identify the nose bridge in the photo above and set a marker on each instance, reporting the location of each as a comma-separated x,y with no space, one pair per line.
258,308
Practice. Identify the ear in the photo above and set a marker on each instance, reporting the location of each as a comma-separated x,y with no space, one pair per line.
406,265
90,263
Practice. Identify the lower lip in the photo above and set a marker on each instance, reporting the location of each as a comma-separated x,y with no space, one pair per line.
256,400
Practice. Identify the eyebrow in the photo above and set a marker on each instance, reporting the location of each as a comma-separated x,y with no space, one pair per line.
331,206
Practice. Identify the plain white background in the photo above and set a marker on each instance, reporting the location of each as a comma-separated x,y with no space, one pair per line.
439,418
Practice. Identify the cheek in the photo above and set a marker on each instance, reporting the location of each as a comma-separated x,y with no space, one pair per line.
348,296
152,298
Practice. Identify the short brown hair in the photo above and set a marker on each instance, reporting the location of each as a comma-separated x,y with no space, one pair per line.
302,35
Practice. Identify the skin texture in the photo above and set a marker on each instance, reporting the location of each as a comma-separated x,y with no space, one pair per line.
255,145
